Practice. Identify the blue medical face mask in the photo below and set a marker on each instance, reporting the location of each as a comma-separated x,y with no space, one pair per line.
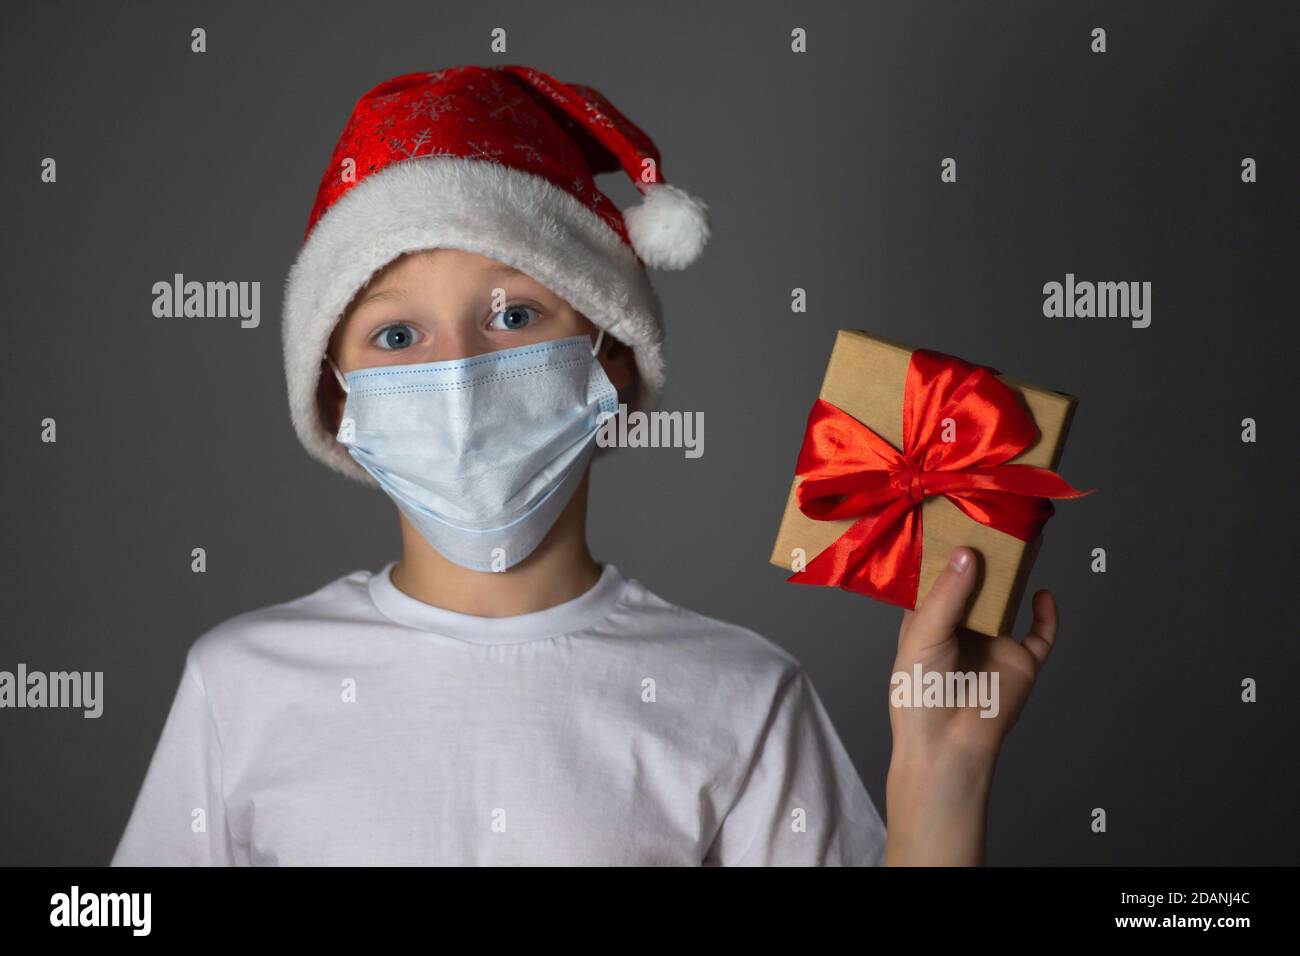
480,454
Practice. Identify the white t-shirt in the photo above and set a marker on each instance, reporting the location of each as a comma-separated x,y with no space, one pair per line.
358,725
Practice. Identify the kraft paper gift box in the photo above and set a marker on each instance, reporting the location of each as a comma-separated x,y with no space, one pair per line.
865,378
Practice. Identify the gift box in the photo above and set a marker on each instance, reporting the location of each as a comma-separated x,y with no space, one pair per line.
911,452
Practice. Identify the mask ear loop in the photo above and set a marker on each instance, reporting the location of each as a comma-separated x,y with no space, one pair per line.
343,383
600,337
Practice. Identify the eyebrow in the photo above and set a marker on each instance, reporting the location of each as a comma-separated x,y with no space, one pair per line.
382,294
500,269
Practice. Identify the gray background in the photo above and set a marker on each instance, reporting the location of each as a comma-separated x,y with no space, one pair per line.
821,171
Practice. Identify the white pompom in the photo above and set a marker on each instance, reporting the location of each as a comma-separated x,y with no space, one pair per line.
669,228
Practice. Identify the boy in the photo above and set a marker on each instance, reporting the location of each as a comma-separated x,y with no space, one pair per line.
465,311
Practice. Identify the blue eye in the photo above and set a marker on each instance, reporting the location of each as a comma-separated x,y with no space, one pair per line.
514,317
395,336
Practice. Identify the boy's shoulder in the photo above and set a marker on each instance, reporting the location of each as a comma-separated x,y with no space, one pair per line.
730,648
291,620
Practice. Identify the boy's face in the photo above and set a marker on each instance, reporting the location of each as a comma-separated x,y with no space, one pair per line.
442,304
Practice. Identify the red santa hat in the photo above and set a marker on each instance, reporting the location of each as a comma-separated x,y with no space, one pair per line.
498,161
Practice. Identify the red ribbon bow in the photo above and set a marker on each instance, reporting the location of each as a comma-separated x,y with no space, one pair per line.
960,427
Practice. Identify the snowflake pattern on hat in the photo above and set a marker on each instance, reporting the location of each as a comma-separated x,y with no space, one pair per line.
480,113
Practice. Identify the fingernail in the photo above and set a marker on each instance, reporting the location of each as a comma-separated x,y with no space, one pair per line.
960,560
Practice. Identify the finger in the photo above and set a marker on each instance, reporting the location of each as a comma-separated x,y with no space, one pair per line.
939,613
1042,633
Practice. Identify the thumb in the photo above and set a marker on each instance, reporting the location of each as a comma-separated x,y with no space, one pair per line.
939,612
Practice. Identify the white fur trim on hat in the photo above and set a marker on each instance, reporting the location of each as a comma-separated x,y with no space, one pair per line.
474,206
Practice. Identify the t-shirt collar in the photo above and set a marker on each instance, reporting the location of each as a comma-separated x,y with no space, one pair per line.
567,618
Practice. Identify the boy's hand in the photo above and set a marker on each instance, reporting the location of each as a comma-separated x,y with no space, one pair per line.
943,757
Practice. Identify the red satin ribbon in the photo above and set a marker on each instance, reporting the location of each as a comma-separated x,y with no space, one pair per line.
849,471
